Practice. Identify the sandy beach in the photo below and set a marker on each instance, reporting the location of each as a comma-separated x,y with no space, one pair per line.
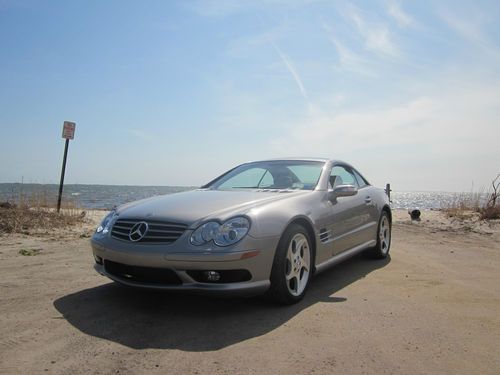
433,307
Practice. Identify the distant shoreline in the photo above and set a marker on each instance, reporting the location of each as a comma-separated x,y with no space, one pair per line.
78,184
94,196
197,187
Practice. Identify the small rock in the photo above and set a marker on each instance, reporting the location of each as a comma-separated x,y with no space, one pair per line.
7,205
414,214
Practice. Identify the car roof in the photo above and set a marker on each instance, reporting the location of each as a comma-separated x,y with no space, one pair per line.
323,160
300,159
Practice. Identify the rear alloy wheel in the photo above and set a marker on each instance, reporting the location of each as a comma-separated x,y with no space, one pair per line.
381,249
292,266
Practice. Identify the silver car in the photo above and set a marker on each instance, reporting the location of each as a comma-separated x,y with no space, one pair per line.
262,227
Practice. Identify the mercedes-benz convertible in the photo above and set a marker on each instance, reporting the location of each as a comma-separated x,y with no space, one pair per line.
261,227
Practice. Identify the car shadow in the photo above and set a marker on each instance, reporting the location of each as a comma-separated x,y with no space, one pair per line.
140,319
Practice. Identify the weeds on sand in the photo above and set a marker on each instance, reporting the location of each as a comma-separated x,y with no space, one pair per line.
470,205
34,214
29,252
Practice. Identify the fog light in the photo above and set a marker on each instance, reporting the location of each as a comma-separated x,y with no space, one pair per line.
98,259
212,275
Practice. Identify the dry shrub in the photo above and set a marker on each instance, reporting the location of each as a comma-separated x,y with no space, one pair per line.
490,213
491,209
464,205
484,205
36,215
39,199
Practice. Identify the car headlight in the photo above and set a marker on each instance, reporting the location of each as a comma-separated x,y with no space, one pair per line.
225,234
105,223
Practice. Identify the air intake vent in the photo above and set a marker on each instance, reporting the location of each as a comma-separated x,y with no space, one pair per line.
325,235
145,275
157,231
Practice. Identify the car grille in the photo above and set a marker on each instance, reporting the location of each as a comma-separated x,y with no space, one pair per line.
148,275
158,231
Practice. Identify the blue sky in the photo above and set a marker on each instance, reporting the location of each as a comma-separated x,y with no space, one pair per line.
176,92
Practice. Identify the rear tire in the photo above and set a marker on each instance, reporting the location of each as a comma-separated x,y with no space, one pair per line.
292,267
384,236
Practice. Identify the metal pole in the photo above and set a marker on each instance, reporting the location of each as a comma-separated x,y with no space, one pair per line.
388,191
62,175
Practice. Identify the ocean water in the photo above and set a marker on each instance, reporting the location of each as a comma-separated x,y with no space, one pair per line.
108,196
424,200
85,196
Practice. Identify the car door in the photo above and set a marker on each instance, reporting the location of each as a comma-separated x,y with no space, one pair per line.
349,215
371,217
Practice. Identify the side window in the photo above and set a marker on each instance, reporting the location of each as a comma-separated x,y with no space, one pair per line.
342,176
362,182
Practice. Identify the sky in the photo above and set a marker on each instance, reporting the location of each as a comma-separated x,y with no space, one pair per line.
177,92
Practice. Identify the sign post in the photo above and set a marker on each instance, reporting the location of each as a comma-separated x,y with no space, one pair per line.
68,133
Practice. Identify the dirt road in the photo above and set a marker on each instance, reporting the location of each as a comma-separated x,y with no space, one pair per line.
434,307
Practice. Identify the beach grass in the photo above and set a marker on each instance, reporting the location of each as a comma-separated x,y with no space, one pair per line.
37,212
29,252
485,204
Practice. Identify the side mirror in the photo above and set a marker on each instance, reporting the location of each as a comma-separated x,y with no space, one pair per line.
342,191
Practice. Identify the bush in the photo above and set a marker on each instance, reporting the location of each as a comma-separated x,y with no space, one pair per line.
464,205
491,209
486,205
490,213
26,219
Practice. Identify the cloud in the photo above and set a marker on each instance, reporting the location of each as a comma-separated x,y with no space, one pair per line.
401,17
460,114
245,46
293,72
376,36
348,130
471,30
450,131
348,59
141,134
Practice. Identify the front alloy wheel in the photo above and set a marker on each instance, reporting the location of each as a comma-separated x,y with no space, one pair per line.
292,267
298,263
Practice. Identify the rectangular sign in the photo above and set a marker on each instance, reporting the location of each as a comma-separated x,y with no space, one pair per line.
68,130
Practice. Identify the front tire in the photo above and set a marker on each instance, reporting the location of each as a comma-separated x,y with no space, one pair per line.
384,235
292,267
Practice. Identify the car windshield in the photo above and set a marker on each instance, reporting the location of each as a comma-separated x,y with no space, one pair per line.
281,174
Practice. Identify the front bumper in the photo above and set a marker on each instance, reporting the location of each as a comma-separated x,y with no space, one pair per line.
243,288
253,255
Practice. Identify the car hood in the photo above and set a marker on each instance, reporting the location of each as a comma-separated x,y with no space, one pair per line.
191,207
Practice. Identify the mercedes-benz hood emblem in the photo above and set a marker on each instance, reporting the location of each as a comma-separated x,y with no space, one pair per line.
138,231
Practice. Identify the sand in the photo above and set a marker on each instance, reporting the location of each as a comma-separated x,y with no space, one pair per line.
433,307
